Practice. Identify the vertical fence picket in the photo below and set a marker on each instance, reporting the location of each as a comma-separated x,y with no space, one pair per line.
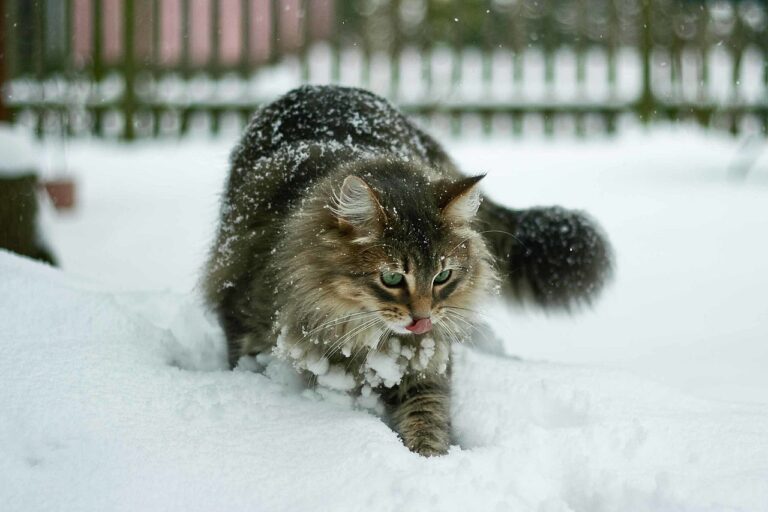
645,105
366,50
306,40
457,61
676,58
186,62
97,64
702,38
274,31
244,58
490,35
395,49
129,70
214,63
580,46
549,44
612,43
737,48
246,54
38,53
341,18
156,64
425,52
764,48
7,67
68,66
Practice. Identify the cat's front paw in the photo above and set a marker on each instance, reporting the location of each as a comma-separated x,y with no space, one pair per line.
428,444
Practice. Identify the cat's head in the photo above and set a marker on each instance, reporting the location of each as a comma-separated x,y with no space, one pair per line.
402,245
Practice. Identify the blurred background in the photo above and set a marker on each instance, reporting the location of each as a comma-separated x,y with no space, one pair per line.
650,114
147,68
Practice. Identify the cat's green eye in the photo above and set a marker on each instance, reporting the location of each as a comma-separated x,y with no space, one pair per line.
391,278
442,277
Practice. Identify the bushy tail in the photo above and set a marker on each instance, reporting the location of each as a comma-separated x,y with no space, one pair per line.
552,257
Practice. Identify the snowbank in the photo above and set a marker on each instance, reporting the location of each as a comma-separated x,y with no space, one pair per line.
120,401
20,154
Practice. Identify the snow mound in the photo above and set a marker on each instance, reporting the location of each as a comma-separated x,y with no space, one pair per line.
123,402
19,150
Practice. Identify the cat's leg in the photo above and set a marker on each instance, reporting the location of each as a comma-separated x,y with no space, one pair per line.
245,339
420,412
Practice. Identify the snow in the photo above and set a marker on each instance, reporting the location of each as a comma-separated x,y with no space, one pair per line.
115,393
19,152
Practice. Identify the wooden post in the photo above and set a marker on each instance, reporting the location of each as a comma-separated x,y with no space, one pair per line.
129,70
97,54
5,112
646,103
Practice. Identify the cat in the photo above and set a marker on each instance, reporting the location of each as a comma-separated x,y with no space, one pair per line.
350,245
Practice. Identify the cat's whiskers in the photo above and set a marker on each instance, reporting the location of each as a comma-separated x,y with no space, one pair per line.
473,311
339,343
452,317
457,316
339,320
333,323
448,331
503,233
359,351
384,336
469,324
460,244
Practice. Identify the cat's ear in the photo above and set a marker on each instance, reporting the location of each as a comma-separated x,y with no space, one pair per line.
357,206
459,200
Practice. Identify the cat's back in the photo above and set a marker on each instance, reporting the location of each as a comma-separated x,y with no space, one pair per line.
335,117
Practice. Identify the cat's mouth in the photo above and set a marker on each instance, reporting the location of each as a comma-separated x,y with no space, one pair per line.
420,326
416,326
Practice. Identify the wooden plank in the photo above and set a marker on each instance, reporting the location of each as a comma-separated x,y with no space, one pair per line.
365,42
702,50
612,43
580,44
69,60
245,42
341,12
97,39
214,33
395,49
274,31
645,105
186,60
425,44
38,58
457,48
6,22
156,64
489,38
185,33
214,60
306,40
128,70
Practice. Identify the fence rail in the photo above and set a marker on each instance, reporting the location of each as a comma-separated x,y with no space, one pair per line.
141,68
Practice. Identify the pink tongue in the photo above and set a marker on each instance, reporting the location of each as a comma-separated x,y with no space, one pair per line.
420,326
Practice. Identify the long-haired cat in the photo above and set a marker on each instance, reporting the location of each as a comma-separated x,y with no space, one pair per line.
350,245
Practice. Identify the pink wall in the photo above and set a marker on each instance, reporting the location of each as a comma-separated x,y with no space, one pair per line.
170,50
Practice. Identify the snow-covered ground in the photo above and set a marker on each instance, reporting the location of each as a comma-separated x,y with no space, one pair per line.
115,396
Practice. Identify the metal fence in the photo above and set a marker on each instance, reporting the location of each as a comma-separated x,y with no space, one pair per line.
142,68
